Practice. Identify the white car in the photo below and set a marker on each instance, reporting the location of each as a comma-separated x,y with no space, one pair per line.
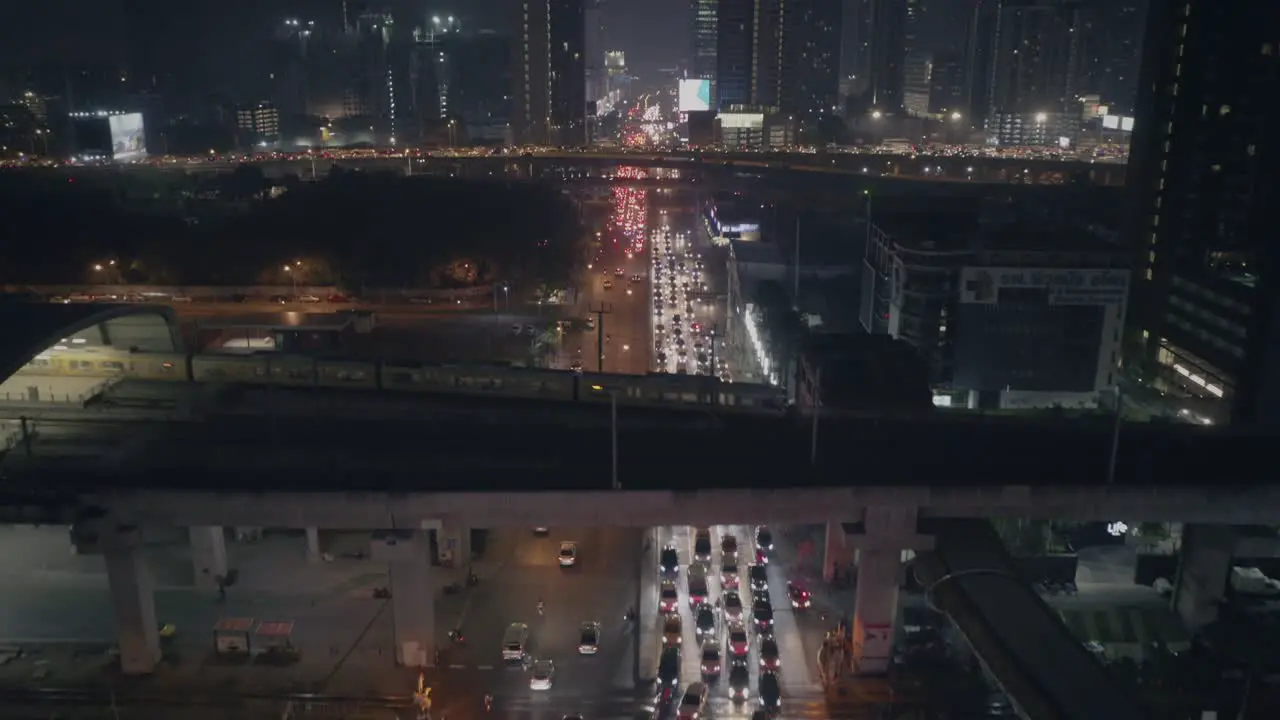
542,675
308,299
568,554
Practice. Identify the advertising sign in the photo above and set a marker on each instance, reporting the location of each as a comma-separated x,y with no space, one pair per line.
695,95
1065,287
751,121
128,142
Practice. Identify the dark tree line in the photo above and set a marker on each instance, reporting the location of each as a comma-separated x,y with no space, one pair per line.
358,229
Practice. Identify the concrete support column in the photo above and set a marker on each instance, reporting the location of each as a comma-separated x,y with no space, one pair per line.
875,612
648,634
1203,572
453,543
208,555
833,550
413,611
313,545
133,600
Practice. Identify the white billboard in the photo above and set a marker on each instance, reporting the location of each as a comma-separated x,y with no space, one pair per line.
982,285
695,95
128,142
743,120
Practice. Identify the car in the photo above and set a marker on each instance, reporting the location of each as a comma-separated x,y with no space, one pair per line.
694,700
704,621
589,638
739,683
308,299
732,602
699,593
669,666
739,645
769,657
759,577
799,596
517,329
763,615
762,556
760,597
764,539
530,331
542,675
619,272
669,560
541,531
568,554
576,366
590,323
729,571
702,545
710,659
729,544
608,284
672,631
668,598
635,277
770,691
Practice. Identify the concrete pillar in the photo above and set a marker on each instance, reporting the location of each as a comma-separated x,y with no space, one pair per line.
875,611
453,542
648,634
413,611
208,555
1203,572
313,545
133,600
833,552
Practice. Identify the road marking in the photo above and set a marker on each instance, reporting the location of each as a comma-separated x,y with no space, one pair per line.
484,667
457,667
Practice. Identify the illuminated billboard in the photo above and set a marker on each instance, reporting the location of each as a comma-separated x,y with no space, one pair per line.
695,95
127,140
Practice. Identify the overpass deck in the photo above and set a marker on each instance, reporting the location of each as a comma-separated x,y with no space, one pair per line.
1040,665
492,444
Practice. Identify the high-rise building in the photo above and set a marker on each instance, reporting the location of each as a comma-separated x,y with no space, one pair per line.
258,125
550,85
855,49
1034,67
812,87
1110,51
947,85
593,44
705,34
1201,177
290,80
432,69
917,76
371,90
888,51
735,52
481,94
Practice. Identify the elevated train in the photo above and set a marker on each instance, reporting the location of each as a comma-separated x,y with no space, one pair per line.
299,371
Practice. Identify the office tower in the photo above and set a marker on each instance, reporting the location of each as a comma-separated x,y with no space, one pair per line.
979,49
812,84
705,34
1201,177
593,44
432,69
550,74
1033,99
481,87
947,86
1110,51
917,73
855,52
371,88
735,52
290,82
888,52
913,26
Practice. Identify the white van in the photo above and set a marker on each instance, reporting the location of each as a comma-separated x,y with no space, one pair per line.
513,642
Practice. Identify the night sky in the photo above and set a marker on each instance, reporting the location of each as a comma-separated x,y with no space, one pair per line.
221,39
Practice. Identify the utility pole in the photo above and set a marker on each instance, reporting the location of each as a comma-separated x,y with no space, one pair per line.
817,403
600,311
795,294
715,369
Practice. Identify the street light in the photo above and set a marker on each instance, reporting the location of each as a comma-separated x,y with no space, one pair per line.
613,430
293,275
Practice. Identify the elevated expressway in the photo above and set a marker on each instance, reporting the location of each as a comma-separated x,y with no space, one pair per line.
867,166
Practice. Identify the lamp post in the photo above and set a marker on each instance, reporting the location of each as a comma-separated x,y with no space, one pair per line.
613,431
293,276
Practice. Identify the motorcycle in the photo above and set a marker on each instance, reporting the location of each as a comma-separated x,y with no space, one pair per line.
456,637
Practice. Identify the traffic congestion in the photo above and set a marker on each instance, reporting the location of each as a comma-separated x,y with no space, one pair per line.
682,343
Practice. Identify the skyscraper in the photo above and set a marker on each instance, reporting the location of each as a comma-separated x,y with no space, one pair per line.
735,52
1110,52
593,44
1201,178
888,52
813,85
705,32
1033,98
549,93
371,87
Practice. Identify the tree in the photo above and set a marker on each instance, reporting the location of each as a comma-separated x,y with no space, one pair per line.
246,182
